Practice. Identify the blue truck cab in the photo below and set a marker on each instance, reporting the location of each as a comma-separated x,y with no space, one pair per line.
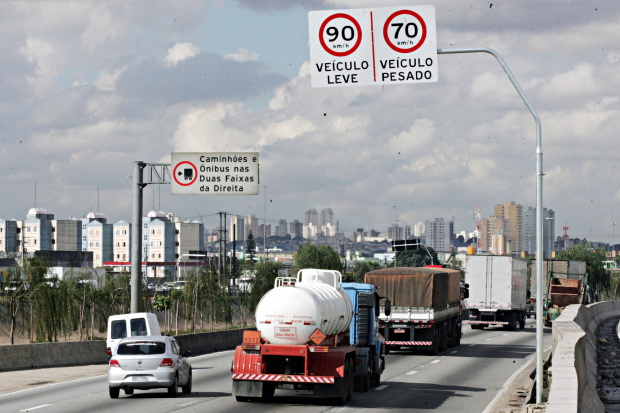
364,335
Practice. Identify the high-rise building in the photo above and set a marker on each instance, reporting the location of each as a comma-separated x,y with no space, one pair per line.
99,238
326,217
238,229
9,240
419,230
529,231
122,241
296,229
282,230
66,234
439,234
311,216
189,236
490,227
512,213
37,230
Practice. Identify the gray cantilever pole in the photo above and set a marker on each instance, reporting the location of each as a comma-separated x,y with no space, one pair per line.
539,212
136,238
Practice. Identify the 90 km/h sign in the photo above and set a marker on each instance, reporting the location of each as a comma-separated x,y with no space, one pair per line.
373,46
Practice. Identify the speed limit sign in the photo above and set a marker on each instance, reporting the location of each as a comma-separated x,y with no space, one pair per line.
373,46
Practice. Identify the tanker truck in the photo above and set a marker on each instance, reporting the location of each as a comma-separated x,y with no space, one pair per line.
423,307
314,333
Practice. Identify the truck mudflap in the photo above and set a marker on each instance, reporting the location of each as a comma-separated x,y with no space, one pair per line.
284,378
408,343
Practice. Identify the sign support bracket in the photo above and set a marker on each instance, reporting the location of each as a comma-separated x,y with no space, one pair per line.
157,173
539,211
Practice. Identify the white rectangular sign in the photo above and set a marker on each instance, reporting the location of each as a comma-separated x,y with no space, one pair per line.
373,46
214,173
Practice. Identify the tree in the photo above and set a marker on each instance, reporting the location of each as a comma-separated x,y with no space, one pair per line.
599,278
361,268
266,273
317,256
416,258
251,247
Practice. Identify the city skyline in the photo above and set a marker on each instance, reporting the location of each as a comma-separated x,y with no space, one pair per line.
91,87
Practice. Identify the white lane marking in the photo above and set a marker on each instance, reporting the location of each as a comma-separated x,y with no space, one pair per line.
385,386
412,372
506,334
54,384
339,409
435,361
189,403
35,408
488,339
471,345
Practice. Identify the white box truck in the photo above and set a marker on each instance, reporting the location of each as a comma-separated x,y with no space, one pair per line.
497,291
130,325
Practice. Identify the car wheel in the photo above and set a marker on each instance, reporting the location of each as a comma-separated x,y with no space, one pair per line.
173,390
114,392
187,389
128,391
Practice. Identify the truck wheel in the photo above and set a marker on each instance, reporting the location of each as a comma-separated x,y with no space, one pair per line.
443,339
375,376
351,372
435,345
346,383
269,389
387,349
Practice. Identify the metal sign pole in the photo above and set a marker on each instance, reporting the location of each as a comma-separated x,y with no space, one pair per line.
136,238
539,211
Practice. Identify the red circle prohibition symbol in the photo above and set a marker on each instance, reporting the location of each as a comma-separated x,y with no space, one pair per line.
195,174
357,27
415,16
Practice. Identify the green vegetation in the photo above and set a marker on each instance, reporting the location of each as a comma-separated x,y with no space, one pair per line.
317,256
44,309
599,278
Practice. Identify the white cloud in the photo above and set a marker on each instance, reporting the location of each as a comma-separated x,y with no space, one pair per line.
242,55
180,52
106,81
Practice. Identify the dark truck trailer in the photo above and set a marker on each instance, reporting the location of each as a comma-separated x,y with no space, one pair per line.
424,311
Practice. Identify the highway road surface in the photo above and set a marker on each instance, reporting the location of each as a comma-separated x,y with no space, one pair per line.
466,378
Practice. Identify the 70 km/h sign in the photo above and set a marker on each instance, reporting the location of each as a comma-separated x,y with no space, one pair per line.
373,46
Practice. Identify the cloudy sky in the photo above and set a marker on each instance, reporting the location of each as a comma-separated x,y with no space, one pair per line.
90,87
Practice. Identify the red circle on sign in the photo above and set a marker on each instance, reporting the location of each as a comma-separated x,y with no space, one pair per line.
195,173
357,27
415,16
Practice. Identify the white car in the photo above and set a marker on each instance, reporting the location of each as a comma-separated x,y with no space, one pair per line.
149,362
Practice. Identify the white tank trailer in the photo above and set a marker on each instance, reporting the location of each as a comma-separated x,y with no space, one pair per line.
290,312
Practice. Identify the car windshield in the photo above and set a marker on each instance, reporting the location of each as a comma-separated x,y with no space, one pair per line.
141,347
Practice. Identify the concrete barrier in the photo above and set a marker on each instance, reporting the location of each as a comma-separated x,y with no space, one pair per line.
81,353
574,368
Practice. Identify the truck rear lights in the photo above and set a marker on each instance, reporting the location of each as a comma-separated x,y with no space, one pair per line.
250,346
109,352
318,349
114,363
166,363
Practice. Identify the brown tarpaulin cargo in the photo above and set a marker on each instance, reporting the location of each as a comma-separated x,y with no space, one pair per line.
417,287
